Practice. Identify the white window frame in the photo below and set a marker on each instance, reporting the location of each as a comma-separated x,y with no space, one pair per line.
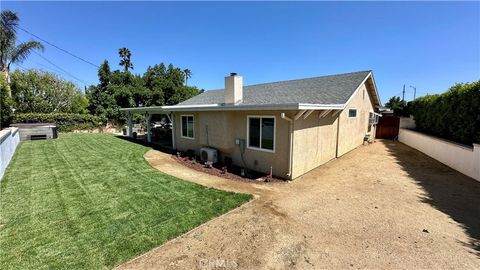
375,118
193,126
356,112
274,133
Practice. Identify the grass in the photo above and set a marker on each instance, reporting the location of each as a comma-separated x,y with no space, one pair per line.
91,201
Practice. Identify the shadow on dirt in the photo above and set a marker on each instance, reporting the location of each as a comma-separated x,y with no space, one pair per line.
447,190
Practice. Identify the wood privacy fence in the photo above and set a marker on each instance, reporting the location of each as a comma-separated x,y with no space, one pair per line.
462,158
387,127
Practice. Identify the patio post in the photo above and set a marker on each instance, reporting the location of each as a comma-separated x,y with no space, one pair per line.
171,117
148,116
130,125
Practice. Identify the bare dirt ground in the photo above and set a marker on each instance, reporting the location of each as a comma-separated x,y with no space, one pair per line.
383,206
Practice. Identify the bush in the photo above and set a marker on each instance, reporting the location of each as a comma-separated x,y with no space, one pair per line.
453,115
66,122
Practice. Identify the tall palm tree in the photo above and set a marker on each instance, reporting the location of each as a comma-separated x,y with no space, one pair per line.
125,55
10,53
188,74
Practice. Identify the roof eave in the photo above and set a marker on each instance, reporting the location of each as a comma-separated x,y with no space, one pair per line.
260,107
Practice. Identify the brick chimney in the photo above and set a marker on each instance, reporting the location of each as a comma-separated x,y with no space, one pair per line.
233,89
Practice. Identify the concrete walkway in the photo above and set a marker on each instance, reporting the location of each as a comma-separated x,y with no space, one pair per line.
379,206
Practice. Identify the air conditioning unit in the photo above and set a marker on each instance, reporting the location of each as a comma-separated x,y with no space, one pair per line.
209,154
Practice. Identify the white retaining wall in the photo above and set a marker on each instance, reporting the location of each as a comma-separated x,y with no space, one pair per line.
407,122
9,139
459,157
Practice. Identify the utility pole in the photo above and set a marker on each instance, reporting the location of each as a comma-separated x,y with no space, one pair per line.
414,92
403,93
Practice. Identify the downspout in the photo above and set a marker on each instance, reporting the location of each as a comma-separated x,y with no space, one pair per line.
338,134
290,137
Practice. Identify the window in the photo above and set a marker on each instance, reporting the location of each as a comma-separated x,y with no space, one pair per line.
187,126
261,133
372,118
352,113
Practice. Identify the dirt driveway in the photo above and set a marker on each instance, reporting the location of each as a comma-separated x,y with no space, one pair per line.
379,206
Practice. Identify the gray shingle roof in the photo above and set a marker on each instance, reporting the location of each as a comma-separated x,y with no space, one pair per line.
332,89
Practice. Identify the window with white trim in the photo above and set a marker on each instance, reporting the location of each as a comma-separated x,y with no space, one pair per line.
187,126
372,118
352,113
261,132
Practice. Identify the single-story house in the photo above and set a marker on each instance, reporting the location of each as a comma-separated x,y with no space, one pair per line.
288,127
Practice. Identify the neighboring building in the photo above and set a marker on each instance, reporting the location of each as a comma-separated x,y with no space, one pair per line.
385,111
290,126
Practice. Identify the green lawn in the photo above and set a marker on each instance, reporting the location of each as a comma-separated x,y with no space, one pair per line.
92,201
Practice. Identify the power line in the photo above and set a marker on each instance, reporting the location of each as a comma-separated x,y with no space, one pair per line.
66,72
55,65
55,46
59,68
20,66
56,70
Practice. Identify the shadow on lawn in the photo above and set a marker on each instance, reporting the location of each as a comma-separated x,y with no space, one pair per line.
145,143
447,190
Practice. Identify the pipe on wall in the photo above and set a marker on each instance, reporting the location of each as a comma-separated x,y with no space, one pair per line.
290,136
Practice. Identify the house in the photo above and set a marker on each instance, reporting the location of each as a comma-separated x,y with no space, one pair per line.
289,127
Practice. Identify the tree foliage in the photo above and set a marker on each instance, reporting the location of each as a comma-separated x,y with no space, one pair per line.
6,104
453,115
44,92
125,56
159,85
10,53
398,106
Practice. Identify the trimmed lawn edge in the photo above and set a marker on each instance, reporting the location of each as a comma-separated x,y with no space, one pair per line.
253,198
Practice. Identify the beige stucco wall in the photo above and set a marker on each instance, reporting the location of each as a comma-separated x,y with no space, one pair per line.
225,127
314,138
352,130
314,142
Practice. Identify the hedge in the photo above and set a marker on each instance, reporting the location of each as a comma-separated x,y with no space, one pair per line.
65,121
453,115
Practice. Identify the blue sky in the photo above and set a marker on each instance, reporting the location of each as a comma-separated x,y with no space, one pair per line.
424,44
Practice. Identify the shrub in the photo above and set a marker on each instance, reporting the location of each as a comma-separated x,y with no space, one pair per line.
453,115
65,121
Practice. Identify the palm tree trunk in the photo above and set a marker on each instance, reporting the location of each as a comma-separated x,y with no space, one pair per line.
6,75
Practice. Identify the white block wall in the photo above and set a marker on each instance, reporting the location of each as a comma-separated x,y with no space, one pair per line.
459,157
9,139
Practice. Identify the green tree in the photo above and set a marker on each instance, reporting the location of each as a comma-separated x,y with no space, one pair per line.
395,103
159,85
125,56
44,92
182,93
6,104
10,53
154,80
188,74
100,98
398,106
